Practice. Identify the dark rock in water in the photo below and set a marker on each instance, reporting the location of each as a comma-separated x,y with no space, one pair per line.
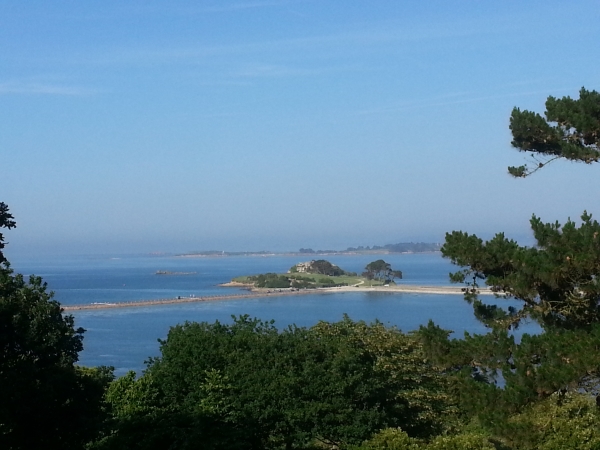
166,272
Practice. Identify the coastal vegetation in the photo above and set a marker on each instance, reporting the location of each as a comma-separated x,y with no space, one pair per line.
381,271
319,267
322,274
297,280
345,385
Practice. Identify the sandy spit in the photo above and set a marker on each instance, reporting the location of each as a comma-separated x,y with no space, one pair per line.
260,293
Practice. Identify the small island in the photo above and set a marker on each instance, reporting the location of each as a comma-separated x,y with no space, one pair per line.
167,272
320,273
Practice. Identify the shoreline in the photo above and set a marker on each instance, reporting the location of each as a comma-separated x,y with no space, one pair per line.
299,255
263,293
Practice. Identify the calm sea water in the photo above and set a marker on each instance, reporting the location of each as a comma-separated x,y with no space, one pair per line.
126,337
88,279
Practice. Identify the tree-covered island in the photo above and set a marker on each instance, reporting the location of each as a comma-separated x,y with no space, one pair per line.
322,274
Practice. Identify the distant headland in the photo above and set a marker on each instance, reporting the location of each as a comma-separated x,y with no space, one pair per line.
403,247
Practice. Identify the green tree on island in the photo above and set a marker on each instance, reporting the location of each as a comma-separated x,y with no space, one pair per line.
381,271
324,267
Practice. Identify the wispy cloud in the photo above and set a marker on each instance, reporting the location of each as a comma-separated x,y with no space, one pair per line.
148,9
399,34
452,99
33,88
275,70
217,7
244,5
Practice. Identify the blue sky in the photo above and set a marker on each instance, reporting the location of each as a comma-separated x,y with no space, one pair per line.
147,126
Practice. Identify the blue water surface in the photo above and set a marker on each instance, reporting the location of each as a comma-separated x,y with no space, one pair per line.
126,337
94,279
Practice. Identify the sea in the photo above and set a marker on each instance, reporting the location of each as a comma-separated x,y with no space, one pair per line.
127,337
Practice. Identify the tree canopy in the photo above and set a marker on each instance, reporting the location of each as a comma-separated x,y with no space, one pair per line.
324,267
510,385
6,221
381,271
248,385
569,130
46,400
557,279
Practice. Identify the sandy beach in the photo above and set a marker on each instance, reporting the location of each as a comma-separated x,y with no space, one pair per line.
258,293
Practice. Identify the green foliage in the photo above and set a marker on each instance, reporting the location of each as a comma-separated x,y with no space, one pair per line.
557,280
396,439
46,401
247,385
294,280
142,418
570,130
562,421
6,221
463,441
381,271
391,439
302,284
326,282
271,281
528,394
128,397
411,388
558,423
556,364
323,267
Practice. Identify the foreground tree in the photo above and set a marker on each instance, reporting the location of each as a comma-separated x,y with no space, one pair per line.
6,221
46,401
570,130
558,278
556,282
247,385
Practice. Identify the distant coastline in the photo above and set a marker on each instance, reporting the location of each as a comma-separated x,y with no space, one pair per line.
298,254
388,249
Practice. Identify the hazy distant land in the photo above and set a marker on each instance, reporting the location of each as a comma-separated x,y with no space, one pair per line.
403,247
